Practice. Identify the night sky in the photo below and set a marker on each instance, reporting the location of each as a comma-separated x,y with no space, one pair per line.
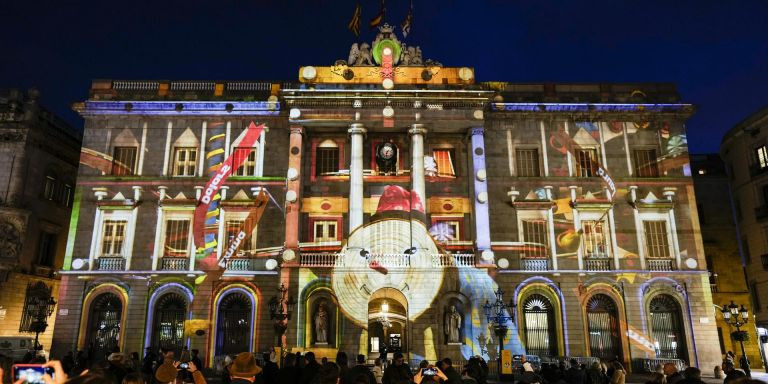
715,51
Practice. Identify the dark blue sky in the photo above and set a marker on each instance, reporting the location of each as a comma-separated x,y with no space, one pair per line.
715,51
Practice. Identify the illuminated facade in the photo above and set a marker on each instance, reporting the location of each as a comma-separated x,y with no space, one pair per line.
744,151
401,196
38,166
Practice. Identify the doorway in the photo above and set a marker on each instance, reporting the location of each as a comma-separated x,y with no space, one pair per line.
387,322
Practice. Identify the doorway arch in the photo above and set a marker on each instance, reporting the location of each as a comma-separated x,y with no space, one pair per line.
603,327
387,321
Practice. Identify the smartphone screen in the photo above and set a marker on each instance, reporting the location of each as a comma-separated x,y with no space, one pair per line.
30,373
429,372
184,365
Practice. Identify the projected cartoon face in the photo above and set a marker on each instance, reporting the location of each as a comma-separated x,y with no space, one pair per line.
390,252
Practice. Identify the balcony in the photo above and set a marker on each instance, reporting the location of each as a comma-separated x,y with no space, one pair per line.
534,264
659,265
241,264
174,264
597,264
389,260
327,260
458,260
393,260
110,263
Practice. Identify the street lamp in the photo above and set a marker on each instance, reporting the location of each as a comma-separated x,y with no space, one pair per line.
738,317
498,314
280,310
42,309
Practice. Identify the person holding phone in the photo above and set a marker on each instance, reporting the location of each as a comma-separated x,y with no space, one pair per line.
429,374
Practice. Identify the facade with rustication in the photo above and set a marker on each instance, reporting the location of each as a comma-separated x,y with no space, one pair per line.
401,197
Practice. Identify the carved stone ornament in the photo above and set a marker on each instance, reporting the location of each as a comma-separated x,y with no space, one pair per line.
10,240
362,54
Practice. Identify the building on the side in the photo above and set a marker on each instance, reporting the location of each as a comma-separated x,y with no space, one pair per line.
744,151
401,195
39,155
721,247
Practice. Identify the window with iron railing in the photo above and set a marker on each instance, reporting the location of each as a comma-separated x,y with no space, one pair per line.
645,163
233,229
595,238
527,162
585,158
185,161
656,239
176,238
124,161
113,238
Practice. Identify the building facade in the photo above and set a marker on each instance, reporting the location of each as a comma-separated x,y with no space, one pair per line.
744,151
39,156
721,246
402,195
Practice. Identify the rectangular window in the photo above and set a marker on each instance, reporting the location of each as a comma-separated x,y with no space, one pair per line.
46,249
755,297
124,161
656,241
35,302
446,230
176,238
764,260
527,162
745,249
536,238
248,158
595,238
325,231
49,192
113,238
761,153
645,163
326,161
233,229
184,161
444,161
66,195
585,158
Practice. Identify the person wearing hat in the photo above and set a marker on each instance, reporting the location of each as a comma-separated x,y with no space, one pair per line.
397,372
243,369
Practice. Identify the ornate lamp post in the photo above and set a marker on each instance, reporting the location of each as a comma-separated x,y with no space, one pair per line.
498,314
280,310
43,309
738,317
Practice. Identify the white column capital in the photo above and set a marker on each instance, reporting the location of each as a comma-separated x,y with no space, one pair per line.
417,129
357,129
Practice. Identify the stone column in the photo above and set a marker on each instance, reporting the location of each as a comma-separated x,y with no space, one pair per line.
294,185
417,133
356,132
480,198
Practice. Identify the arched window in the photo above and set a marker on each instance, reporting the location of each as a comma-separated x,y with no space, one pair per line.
233,328
539,326
667,328
104,325
168,330
603,327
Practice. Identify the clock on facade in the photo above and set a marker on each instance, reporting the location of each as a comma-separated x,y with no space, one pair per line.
386,158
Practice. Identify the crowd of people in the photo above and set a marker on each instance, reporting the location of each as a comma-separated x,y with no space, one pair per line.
298,368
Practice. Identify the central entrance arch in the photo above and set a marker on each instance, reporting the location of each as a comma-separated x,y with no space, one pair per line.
387,321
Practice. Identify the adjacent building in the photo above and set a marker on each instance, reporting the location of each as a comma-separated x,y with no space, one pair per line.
402,196
39,155
745,152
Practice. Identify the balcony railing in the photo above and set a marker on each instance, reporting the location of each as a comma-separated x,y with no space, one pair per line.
534,264
110,263
454,260
241,264
659,264
321,260
600,264
174,264
390,260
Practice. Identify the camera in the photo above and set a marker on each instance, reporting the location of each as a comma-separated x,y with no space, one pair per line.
429,372
30,373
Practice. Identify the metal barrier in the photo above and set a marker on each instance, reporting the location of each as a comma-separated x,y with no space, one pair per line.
649,365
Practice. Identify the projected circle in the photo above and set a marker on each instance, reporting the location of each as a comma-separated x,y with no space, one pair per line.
387,264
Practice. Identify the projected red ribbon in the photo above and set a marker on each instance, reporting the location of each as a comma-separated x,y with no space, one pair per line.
562,142
247,228
218,178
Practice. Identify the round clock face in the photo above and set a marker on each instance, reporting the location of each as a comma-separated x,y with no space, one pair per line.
387,151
